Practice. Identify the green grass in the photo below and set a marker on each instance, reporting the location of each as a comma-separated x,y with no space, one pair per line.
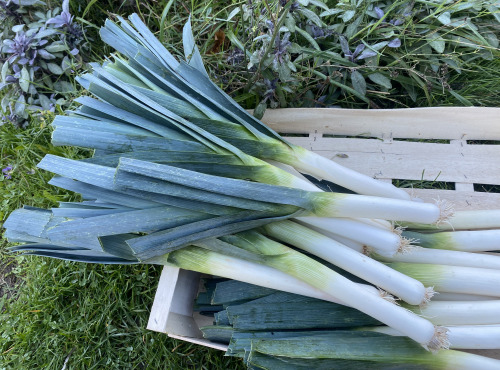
96,316
22,150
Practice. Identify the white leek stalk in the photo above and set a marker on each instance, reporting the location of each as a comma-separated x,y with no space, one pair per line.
445,257
408,289
460,312
311,272
465,220
323,168
352,206
377,222
383,241
453,279
461,337
466,241
461,297
213,263
474,337
358,247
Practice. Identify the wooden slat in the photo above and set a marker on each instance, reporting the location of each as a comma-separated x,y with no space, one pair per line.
201,342
461,200
469,123
175,315
163,299
411,160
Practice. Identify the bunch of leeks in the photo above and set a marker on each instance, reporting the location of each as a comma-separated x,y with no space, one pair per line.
182,176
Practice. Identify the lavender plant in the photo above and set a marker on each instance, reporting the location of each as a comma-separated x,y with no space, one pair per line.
379,53
39,54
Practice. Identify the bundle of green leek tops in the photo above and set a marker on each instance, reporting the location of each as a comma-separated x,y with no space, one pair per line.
274,330
183,176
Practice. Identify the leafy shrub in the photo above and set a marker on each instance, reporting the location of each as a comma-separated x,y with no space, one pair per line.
382,53
40,52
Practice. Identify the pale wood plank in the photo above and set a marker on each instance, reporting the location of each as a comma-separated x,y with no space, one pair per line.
411,160
202,342
463,187
175,315
466,123
163,299
462,201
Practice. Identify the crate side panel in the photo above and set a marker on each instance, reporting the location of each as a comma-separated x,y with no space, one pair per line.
185,292
163,299
411,160
201,342
172,309
470,123
461,200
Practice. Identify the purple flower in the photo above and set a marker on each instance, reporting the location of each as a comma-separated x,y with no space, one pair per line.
318,32
7,171
295,5
63,19
12,117
73,32
397,22
380,13
281,47
21,48
271,86
394,43
354,56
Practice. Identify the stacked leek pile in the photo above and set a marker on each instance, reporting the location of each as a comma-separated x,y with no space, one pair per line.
275,330
183,176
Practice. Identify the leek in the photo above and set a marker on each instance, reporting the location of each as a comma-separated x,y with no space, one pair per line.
352,345
274,324
461,297
311,314
464,220
267,264
453,279
404,287
448,257
234,291
383,241
316,274
316,203
466,241
461,336
460,312
150,74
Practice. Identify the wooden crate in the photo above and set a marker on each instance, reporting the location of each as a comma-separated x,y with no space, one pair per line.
453,145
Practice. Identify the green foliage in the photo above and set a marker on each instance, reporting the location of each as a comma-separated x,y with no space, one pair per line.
380,54
39,56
